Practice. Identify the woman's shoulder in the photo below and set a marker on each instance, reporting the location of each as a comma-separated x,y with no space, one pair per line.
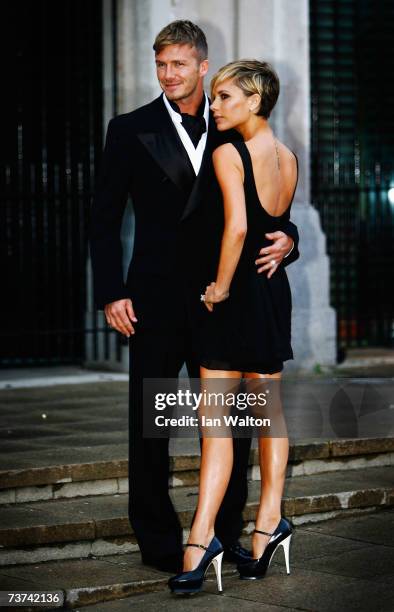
227,163
226,150
226,155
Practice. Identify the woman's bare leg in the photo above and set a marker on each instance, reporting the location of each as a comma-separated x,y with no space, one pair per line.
215,472
273,456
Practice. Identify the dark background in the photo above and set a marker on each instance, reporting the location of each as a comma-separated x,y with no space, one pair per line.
51,146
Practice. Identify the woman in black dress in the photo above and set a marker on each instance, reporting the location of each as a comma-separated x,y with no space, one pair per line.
246,333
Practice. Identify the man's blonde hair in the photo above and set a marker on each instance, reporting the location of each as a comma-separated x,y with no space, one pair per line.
182,32
253,77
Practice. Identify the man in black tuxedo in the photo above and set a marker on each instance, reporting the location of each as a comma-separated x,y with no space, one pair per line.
160,154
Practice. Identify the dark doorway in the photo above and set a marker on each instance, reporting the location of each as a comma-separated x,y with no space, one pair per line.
352,64
51,143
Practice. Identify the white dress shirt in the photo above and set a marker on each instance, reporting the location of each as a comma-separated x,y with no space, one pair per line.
195,153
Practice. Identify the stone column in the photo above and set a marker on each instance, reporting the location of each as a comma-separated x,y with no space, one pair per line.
278,31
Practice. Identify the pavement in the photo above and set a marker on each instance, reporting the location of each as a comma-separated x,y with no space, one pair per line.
335,566
363,363
20,378
340,565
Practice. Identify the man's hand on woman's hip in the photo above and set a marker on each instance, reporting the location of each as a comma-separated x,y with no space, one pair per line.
120,316
273,255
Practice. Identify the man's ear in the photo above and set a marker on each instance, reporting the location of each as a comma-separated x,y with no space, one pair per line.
204,66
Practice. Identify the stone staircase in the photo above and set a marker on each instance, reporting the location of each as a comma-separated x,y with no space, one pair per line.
63,508
79,510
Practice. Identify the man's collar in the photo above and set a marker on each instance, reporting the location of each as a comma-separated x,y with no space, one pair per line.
200,110
203,109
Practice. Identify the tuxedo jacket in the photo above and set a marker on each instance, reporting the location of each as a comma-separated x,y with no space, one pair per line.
178,218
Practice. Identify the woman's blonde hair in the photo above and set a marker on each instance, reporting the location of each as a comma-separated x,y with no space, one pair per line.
253,77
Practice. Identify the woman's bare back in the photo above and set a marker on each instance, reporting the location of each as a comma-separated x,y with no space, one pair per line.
275,173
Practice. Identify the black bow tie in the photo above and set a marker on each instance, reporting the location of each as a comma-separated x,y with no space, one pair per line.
195,126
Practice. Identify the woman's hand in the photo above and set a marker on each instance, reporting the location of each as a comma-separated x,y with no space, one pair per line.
213,295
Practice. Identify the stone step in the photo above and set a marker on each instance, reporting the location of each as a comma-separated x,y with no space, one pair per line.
102,470
330,566
99,526
89,581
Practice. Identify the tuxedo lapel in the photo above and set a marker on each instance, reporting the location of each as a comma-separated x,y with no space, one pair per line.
166,148
195,195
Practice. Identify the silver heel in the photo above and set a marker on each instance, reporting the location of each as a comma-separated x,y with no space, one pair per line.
257,568
286,549
217,564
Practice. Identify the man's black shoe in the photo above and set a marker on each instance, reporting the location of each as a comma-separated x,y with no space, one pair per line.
237,554
172,564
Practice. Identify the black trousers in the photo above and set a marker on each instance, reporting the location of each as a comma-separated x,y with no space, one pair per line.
161,354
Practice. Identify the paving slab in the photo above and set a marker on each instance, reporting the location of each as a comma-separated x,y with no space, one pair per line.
78,440
368,562
202,602
72,405
306,545
57,415
115,389
101,425
102,584
370,529
33,431
76,573
63,457
17,446
312,590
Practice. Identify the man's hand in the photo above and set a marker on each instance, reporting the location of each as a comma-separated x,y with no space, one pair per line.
274,254
120,315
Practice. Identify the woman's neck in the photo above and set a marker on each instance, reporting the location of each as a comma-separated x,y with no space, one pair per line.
253,127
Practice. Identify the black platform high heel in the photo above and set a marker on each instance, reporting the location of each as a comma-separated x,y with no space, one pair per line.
256,568
192,581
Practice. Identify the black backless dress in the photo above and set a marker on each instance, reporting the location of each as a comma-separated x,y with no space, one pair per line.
251,330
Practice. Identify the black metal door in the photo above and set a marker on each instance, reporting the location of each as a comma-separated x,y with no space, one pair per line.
352,67
51,143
